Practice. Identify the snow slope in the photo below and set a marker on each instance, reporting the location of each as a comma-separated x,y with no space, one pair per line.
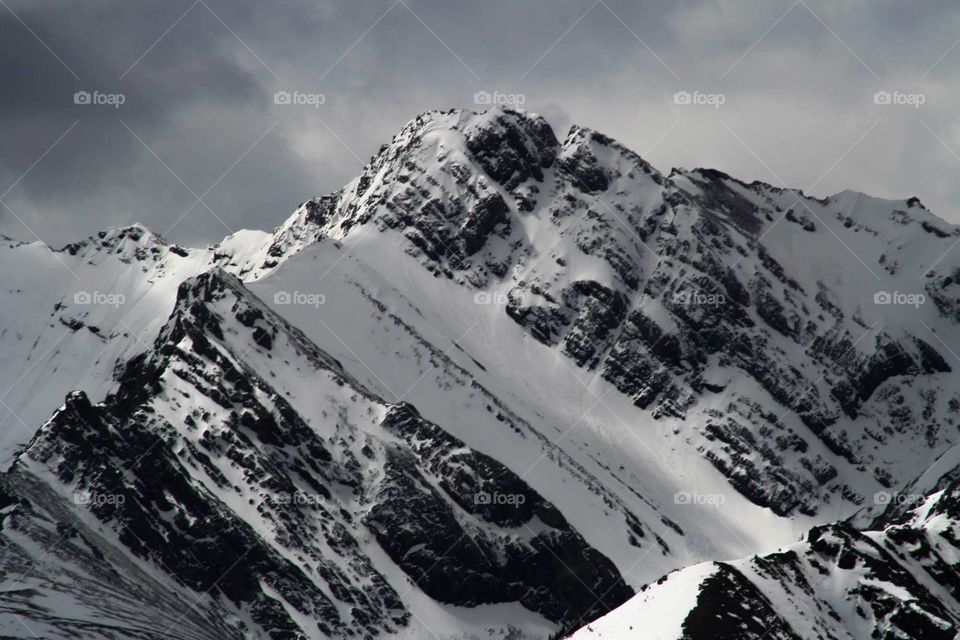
71,316
899,580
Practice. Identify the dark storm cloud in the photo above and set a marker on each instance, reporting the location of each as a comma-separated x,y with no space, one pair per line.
198,79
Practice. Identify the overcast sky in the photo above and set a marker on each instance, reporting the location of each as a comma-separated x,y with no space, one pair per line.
198,120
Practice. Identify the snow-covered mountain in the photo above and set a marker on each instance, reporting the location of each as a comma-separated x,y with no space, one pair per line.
493,385
897,579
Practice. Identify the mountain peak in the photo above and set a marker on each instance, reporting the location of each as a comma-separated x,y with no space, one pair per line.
131,242
511,145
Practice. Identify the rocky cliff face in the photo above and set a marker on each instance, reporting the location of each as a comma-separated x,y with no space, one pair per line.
201,470
673,287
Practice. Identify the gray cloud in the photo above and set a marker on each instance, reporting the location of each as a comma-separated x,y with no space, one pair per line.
798,100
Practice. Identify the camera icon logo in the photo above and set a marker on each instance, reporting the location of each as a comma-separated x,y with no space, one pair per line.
882,297
81,97
282,297
82,297
882,497
682,97
882,97
282,97
482,97
682,497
